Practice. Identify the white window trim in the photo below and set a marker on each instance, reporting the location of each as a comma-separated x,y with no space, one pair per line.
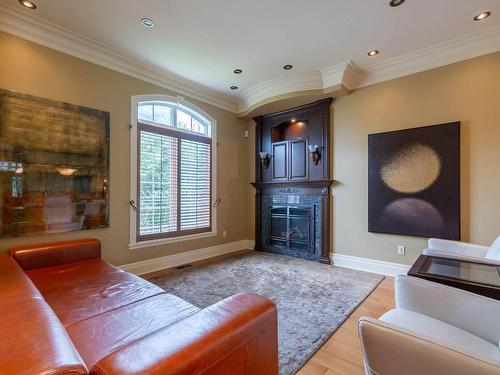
133,244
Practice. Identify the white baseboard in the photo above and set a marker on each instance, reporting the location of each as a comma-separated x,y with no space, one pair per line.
370,265
339,260
175,260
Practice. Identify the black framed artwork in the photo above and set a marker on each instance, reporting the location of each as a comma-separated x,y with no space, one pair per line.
414,182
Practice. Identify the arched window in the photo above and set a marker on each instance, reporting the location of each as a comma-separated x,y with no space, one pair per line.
173,183
176,115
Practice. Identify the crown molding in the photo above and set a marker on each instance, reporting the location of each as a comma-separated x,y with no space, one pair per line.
469,46
350,76
35,29
336,78
340,74
331,78
263,91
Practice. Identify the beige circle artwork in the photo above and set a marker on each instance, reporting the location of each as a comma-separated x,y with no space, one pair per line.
411,169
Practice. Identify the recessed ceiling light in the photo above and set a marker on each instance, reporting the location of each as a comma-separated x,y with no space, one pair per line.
147,22
237,71
396,3
481,16
287,67
28,4
373,52
234,87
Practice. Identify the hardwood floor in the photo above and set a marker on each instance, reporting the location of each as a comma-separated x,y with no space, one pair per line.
341,354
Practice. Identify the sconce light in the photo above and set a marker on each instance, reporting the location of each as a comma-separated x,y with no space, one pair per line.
264,159
63,171
315,154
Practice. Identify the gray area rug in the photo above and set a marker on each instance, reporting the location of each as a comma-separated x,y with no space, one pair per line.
313,299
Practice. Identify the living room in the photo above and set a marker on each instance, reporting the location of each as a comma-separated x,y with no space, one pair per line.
250,188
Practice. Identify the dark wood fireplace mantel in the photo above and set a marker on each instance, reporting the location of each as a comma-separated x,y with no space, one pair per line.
303,184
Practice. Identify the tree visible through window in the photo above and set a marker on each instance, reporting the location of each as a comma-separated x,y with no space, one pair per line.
174,171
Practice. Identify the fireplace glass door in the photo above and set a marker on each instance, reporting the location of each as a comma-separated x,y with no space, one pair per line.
292,227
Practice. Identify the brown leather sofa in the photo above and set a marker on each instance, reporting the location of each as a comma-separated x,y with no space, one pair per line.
64,310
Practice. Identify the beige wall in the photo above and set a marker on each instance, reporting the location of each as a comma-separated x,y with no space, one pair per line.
36,70
468,91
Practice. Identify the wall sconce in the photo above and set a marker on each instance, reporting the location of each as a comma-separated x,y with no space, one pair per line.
64,171
264,159
315,154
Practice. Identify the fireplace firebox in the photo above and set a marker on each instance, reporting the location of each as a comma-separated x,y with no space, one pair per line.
292,227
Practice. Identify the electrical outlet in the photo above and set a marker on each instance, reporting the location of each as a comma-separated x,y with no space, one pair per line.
401,250
224,234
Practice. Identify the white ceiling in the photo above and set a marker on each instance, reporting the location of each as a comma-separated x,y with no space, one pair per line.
205,40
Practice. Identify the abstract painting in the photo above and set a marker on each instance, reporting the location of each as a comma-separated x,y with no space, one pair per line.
414,182
54,166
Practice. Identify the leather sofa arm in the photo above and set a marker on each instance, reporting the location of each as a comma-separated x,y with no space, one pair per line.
390,350
35,342
235,336
54,254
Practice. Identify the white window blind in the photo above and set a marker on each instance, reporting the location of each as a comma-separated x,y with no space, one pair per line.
174,172
157,183
195,185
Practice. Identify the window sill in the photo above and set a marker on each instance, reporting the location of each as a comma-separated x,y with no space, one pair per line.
165,241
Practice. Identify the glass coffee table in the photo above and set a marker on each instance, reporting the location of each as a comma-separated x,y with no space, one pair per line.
479,278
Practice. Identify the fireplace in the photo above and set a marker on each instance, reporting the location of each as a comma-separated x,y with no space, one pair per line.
292,202
295,220
291,227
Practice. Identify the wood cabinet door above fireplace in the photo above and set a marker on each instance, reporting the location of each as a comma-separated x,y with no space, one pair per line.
285,136
289,160
280,161
298,160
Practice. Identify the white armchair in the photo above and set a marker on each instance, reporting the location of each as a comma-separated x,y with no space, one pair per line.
464,251
434,329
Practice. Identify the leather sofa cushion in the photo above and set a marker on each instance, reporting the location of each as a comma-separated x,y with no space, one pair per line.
34,341
235,336
53,254
99,336
80,290
442,332
15,284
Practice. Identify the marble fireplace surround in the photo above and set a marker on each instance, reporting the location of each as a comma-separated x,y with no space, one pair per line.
314,194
